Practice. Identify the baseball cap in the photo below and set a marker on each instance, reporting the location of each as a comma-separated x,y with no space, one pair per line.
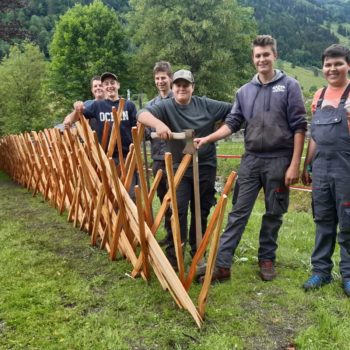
106,75
183,74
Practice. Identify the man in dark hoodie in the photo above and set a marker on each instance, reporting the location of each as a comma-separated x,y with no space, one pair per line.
272,107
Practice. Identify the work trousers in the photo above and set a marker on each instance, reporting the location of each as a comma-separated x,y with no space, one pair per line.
256,173
185,199
331,204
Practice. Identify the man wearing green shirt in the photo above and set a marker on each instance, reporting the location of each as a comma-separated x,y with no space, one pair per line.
185,111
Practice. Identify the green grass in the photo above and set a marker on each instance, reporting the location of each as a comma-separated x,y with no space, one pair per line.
306,77
343,40
58,292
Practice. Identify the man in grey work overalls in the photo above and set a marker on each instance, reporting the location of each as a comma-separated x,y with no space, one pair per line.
329,157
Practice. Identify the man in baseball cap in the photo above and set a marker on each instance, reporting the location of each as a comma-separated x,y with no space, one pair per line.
185,111
184,75
101,112
106,75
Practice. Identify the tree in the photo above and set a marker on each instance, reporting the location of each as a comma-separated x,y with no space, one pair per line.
211,38
10,26
88,40
23,106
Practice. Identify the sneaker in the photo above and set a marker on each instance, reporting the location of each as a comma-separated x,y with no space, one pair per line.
267,270
346,286
220,274
317,281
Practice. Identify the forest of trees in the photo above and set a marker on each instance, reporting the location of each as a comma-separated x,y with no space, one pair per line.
50,49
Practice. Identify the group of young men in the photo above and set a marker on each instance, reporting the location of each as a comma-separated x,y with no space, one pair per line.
272,109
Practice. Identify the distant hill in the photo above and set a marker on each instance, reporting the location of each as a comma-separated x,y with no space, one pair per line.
303,28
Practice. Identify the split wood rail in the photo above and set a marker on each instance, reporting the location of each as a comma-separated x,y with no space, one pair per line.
77,174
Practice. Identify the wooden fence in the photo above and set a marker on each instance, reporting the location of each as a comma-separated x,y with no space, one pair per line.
77,175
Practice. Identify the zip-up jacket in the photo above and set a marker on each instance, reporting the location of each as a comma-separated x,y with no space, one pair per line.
273,113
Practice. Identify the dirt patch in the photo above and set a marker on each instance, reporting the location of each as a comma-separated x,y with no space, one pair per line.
279,326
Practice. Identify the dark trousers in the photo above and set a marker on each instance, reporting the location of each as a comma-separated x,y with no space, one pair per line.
331,202
185,199
256,173
161,192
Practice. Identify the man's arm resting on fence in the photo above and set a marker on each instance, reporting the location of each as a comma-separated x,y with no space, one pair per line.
73,116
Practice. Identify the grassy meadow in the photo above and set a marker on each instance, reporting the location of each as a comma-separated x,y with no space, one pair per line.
306,77
58,292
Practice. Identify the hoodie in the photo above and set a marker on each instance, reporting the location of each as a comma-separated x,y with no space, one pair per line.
273,113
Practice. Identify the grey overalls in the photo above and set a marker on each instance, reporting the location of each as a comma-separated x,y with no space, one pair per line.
331,186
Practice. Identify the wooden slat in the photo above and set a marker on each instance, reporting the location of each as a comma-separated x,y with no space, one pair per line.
175,226
210,228
203,295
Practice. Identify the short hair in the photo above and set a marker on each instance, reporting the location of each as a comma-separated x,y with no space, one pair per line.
96,77
265,40
336,50
163,66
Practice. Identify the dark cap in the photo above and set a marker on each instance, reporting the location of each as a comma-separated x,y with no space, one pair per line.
183,74
106,75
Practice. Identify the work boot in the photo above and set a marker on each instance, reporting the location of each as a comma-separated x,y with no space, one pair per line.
317,281
220,274
346,287
267,270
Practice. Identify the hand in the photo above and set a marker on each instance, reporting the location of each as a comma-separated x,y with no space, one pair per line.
291,176
78,106
67,122
306,177
200,141
163,132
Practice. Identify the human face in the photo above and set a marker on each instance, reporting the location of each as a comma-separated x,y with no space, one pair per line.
183,91
163,82
97,90
335,70
264,59
111,88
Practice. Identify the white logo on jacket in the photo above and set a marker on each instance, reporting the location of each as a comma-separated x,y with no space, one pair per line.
108,116
279,88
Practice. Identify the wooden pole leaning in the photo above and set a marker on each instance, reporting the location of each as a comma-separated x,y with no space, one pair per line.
210,228
175,226
143,241
122,220
139,163
185,162
115,139
203,295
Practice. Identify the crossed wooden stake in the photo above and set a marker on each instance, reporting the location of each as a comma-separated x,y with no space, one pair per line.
76,173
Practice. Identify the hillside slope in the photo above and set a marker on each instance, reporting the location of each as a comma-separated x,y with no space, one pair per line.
302,27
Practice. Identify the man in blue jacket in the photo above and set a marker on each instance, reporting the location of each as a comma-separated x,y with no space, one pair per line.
271,105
